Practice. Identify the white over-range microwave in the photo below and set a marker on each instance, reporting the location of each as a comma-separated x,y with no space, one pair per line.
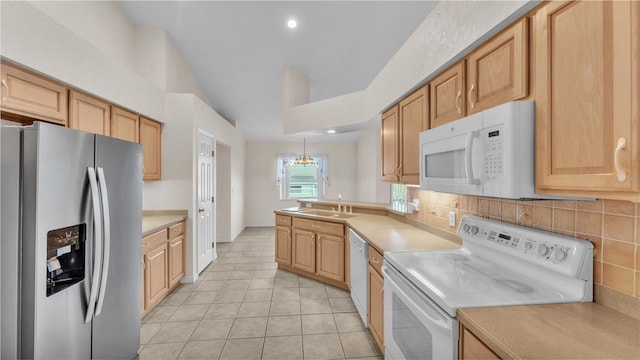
491,153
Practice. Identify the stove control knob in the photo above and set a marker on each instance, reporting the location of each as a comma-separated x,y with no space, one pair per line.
473,230
465,228
559,255
528,245
542,250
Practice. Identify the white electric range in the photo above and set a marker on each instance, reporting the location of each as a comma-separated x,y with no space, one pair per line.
499,264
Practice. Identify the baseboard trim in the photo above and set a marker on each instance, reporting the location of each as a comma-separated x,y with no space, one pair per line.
188,280
223,239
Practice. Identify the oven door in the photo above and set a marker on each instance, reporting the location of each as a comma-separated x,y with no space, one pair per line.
414,326
451,157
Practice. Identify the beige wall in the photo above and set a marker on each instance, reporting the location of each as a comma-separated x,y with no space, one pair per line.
263,194
370,188
612,226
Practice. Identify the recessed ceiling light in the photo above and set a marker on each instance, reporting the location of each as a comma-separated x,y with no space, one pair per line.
292,24
331,131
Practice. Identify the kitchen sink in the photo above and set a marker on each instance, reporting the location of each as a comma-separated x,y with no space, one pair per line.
327,213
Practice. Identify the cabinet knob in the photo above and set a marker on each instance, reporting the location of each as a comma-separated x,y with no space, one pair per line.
620,173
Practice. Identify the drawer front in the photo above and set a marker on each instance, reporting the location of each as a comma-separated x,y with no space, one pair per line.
283,220
319,226
153,241
375,259
176,230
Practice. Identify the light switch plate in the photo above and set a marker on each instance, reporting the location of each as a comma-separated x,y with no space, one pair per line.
452,218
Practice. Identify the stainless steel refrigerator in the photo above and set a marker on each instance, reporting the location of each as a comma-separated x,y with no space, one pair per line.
71,244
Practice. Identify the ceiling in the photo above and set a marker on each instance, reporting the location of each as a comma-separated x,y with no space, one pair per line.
238,50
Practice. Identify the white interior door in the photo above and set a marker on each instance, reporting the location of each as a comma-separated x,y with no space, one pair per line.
205,243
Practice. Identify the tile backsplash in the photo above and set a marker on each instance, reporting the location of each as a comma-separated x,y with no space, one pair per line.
612,226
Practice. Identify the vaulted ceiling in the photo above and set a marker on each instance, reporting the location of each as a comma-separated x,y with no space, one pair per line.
238,50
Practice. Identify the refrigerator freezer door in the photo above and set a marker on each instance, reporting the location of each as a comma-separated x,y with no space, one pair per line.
55,196
9,251
116,329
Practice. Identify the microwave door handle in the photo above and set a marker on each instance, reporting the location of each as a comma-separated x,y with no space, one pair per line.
468,157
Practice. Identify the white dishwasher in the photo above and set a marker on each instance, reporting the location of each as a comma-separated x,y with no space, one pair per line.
359,257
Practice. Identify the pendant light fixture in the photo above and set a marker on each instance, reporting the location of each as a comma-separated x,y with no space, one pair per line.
304,160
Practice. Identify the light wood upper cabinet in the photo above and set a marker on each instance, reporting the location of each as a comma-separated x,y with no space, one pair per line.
31,96
151,140
283,244
390,140
125,125
587,86
304,252
330,257
448,95
414,118
89,114
498,71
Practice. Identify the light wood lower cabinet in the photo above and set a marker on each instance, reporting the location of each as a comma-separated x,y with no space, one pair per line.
376,298
24,94
304,250
283,245
312,248
156,282
162,264
330,257
176,260
472,348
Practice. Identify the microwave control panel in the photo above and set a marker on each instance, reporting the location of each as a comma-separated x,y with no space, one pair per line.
493,155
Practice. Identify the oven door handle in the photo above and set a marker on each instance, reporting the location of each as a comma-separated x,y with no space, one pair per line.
401,286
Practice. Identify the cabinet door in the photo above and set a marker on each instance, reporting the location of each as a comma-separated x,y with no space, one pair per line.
498,71
156,281
390,138
25,94
124,125
471,348
587,64
283,245
304,254
151,140
414,118
376,307
176,260
89,114
330,257
448,95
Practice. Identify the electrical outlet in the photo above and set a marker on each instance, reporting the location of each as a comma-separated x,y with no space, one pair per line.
452,218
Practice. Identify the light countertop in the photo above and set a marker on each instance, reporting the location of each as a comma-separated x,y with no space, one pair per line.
382,232
555,331
153,221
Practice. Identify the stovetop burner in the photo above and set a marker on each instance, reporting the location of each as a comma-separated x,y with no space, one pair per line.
515,286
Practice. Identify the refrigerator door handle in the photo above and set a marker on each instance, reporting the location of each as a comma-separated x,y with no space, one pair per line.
106,215
97,243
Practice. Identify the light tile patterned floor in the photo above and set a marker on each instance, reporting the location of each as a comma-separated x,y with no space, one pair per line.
243,307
